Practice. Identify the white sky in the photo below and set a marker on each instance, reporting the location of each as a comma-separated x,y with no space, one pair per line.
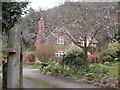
44,4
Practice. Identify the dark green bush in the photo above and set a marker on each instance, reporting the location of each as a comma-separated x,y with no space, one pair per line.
74,57
110,54
107,58
98,69
53,68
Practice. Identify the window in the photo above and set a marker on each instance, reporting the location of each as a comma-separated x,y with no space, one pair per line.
59,53
60,40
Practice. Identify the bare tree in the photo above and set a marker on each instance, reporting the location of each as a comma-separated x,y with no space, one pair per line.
83,19
90,22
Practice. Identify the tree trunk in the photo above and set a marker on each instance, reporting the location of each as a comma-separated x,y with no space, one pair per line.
86,50
86,58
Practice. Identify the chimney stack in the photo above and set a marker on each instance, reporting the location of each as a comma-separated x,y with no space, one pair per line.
41,24
40,34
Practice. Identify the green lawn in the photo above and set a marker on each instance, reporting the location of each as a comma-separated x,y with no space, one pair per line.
113,70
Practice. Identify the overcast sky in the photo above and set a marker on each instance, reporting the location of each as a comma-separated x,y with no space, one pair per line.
46,4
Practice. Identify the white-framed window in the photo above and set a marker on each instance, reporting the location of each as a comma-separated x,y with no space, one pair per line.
60,40
59,53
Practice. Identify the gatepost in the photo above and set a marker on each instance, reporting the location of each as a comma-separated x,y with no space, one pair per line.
13,63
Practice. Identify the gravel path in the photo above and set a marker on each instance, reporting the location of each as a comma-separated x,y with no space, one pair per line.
34,79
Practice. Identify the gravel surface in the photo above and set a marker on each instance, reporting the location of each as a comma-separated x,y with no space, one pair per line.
34,79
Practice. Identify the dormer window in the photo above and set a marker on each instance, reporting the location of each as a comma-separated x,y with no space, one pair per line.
60,40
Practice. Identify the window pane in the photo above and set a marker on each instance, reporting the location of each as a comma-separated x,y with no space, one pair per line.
60,40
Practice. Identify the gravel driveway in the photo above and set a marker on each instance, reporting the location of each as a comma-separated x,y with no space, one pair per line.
34,79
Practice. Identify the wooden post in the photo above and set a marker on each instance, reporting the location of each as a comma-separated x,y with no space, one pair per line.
13,67
4,75
21,62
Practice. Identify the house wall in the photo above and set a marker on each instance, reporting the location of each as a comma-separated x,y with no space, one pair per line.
52,40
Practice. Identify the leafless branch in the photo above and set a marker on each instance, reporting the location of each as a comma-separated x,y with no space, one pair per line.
94,35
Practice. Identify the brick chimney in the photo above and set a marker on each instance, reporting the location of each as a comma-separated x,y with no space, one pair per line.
40,35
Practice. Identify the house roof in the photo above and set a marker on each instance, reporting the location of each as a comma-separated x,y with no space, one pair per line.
50,33
75,37
65,30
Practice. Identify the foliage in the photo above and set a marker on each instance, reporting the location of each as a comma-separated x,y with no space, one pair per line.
107,58
45,53
112,48
53,67
110,54
74,57
98,69
37,64
103,75
11,12
97,73
107,63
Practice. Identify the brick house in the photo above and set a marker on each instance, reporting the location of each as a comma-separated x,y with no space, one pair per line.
60,38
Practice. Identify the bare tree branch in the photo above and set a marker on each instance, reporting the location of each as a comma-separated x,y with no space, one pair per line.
94,35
